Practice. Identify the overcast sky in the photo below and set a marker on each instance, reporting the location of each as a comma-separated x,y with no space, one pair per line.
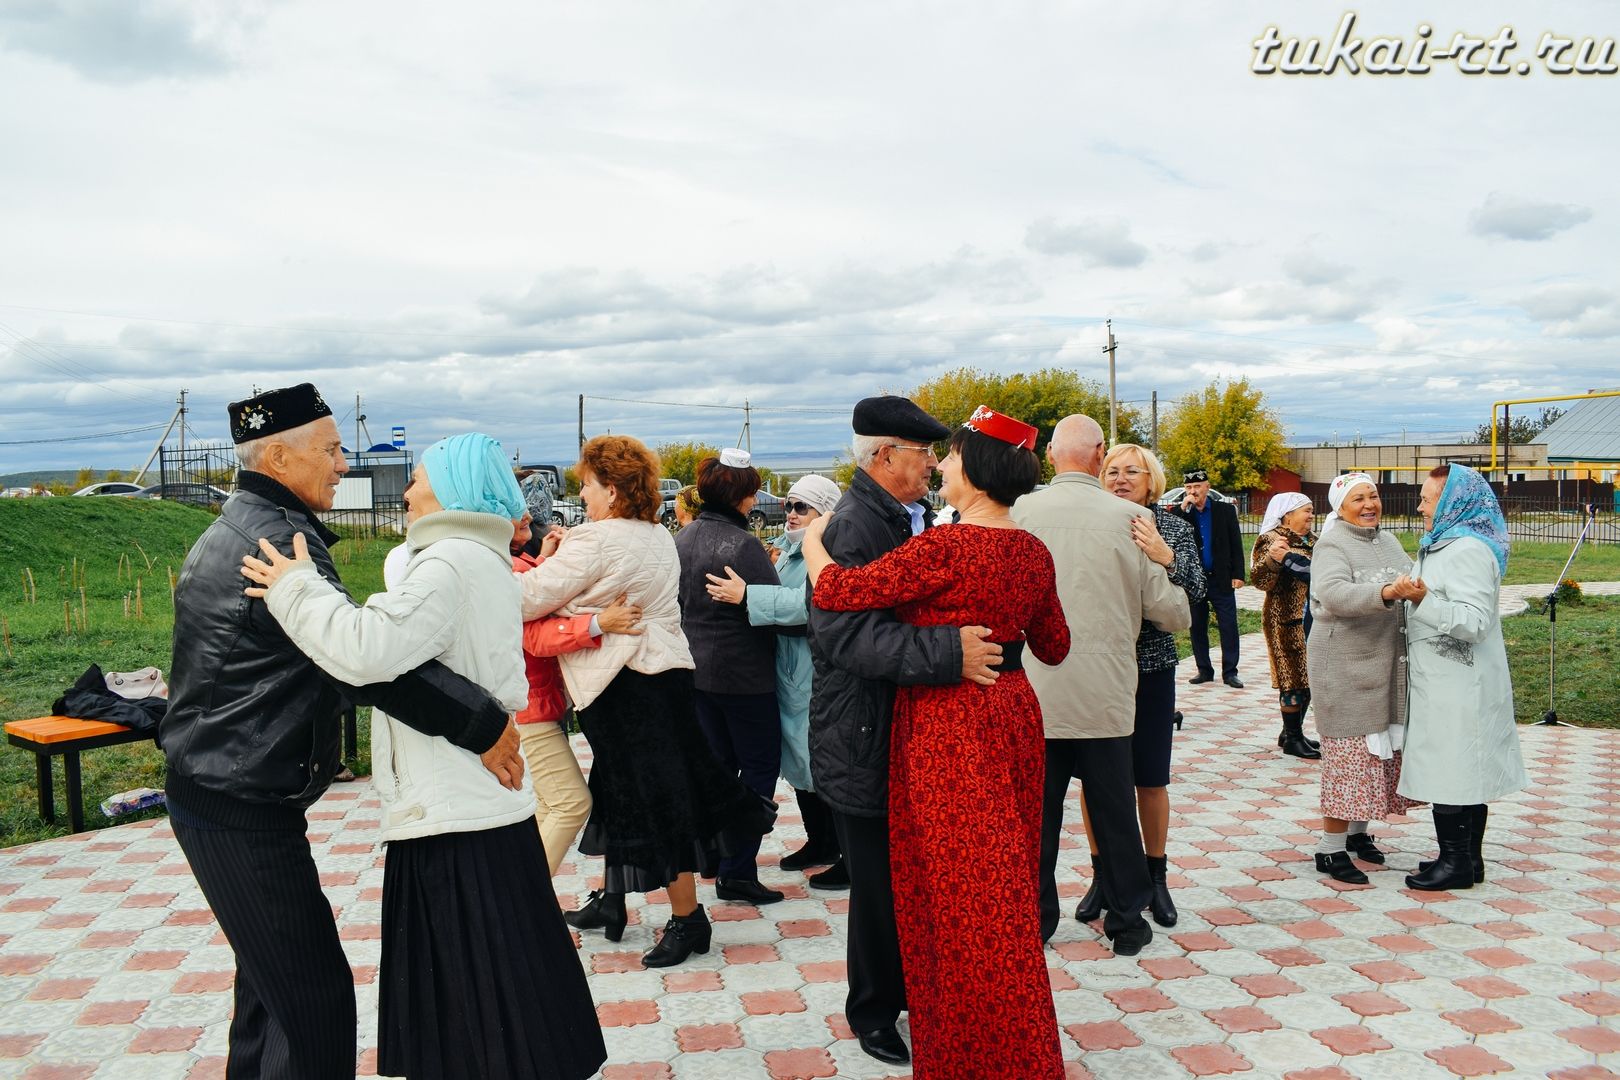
469,214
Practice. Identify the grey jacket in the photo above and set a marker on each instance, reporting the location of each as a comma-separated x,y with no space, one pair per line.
861,656
1108,586
1356,656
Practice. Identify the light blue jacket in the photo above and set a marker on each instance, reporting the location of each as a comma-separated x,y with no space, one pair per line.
785,605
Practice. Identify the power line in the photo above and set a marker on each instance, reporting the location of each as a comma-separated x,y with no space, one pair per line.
83,438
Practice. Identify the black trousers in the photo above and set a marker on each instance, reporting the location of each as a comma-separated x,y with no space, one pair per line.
295,1015
1104,769
877,985
819,832
745,732
1225,604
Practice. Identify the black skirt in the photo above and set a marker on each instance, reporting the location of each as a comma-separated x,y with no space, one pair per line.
661,803
480,977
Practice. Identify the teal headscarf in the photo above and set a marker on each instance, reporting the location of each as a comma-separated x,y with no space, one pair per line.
470,472
1468,507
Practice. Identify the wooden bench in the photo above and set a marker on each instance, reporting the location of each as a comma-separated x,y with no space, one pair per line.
50,735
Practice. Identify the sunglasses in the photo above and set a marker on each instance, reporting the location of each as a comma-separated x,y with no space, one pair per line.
794,506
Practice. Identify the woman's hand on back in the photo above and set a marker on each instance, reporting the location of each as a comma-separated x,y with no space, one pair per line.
265,574
620,617
730,589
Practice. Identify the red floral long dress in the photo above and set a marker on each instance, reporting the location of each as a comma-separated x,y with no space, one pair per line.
966,770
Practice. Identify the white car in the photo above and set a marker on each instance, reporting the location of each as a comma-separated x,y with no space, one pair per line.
110,487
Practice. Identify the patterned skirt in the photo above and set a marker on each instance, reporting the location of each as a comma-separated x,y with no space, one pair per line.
1358,785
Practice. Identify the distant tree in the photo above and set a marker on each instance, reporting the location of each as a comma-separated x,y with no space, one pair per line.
85,478
1520,429
843,471
1041,398
115,474
1226,430
570,481
680,459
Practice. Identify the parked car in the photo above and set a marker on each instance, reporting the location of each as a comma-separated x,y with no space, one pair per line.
110,487
186,492
567,512
768,510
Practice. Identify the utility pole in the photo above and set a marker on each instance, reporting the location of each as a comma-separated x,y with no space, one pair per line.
1155,421
1113,396
747,439
582,420
182,423
359,418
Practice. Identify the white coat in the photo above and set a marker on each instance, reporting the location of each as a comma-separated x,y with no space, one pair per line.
457,603
1462,745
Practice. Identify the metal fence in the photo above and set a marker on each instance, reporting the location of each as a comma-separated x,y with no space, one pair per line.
370,499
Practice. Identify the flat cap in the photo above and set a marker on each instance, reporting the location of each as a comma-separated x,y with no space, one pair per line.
900,417
275,411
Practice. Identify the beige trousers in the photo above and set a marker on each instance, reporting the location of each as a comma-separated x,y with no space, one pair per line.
563,800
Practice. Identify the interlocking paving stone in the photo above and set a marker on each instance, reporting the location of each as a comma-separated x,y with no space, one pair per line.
111,965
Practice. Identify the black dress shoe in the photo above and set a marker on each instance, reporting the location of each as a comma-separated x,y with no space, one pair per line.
1091,904
885,1044
1339,867
1233,681
806,857
1132,939
683,936
1202,677
746,891
604,911
1362,847
835,876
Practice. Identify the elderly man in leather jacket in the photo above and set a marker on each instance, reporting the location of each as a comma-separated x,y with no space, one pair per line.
252,738
860,657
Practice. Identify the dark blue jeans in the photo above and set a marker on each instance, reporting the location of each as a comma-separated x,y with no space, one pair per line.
1225,605
745,732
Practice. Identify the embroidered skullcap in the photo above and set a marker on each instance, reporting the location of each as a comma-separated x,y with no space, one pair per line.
275,411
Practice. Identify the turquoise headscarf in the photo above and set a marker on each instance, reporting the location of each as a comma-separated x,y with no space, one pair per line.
470,472
1468,507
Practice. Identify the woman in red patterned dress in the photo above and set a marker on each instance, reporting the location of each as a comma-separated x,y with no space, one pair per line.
966,766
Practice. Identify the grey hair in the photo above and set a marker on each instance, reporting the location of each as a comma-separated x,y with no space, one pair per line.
250,453
866,448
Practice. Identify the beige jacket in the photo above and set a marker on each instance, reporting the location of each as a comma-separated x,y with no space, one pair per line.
1108,586
597,562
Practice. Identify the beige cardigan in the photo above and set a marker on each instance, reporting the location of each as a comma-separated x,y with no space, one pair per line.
1108,586
597,562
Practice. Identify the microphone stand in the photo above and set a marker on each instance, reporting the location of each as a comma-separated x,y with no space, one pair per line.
1550,606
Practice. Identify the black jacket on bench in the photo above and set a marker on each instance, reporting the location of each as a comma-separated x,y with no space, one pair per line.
251,719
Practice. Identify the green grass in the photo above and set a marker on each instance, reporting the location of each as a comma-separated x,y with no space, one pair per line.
106,546
1532,563
1588,662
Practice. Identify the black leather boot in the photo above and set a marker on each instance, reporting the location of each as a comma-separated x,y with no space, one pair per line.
1454,869
1362,847
1162,907
1481,813
683,936
605,912
1293,740
1091,904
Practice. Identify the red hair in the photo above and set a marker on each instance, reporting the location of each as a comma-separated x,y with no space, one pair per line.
630,469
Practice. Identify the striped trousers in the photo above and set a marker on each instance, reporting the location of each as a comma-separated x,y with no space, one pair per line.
295,1014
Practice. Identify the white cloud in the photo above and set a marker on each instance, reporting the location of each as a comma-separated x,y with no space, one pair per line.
1098,241
124,41
1525,219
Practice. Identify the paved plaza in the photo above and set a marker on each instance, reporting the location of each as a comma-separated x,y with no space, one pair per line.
111,966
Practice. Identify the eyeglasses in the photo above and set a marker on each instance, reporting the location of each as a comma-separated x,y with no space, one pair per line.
793,506
1114,472
929,450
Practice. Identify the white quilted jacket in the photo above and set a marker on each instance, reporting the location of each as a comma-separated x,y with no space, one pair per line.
597,562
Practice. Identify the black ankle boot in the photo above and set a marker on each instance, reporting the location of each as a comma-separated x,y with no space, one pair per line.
1293,740
1454,869
1481,813
1162,907
683,936
605,912
1091,904
1362,847
1338,866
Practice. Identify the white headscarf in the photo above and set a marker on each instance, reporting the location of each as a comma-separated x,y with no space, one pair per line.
1280,506
1340,490
815,490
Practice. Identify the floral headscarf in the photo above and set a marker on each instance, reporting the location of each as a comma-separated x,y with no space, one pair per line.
1468,507
1339,490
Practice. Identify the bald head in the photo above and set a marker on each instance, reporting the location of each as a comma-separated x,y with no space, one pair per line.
1077,445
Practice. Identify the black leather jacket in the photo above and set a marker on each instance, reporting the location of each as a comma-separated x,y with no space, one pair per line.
861,656
251,719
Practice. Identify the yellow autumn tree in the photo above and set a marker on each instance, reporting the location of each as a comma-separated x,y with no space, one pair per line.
1227,430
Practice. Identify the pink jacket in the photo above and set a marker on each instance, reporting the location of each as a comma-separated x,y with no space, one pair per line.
544,639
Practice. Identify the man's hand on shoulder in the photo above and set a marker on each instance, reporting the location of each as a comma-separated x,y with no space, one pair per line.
980,656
